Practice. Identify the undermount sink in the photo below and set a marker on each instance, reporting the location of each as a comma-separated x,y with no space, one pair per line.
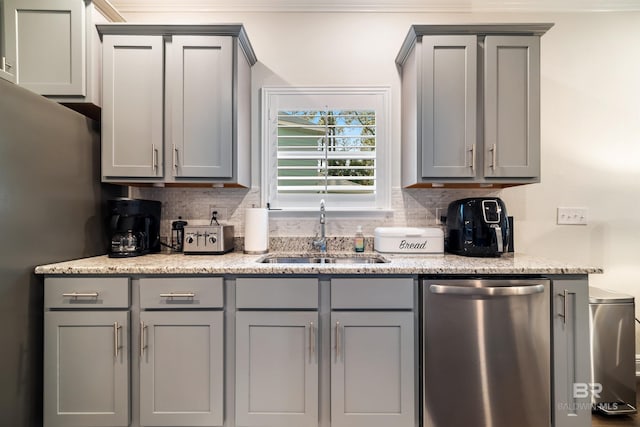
323,259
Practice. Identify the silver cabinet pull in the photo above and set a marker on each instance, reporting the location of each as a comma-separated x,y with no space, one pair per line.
337,340
175,159
154,158
473,156
76,295
178,295
6,66
116,339
494,159
143,345
312,341
565,295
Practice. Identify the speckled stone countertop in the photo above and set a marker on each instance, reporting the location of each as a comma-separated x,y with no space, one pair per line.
237,263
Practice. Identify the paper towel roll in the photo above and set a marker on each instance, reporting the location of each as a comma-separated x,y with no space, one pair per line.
256,231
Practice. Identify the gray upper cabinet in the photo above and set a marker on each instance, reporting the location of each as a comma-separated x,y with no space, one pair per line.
177,104
471,105
132,112
7,68
512,107
201,106
51,47
449,83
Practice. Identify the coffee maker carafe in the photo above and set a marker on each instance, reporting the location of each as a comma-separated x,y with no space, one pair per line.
134,227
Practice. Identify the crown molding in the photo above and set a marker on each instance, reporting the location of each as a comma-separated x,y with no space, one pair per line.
426,6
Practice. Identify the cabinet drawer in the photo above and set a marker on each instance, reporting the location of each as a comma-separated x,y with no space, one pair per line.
83,292
277,293
372,293
179,292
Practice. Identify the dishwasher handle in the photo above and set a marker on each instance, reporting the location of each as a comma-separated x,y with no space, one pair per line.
486,291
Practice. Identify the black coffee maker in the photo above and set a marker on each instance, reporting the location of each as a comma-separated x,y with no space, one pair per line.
134,227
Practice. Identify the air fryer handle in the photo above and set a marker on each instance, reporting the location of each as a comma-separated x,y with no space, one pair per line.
499,239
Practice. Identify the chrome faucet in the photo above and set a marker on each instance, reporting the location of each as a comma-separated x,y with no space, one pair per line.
320,243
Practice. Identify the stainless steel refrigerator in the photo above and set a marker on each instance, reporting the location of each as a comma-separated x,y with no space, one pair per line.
51,202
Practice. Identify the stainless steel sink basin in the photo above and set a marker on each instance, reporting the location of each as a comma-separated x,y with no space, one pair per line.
323,259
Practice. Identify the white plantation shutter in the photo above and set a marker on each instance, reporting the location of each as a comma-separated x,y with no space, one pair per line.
326,152
325,146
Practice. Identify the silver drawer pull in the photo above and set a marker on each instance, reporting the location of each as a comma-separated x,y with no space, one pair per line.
178,295
77,295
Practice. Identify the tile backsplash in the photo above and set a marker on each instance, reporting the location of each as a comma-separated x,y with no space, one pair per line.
410,208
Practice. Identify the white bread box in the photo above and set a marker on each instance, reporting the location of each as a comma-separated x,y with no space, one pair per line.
408,240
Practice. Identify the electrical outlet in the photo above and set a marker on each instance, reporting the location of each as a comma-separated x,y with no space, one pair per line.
572,216
222,212
439,213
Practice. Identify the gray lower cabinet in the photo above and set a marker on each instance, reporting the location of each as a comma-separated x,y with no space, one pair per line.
372,369
277,355
181,368
276,369
338,353
571,369
471,104
181,351
373,352
86,352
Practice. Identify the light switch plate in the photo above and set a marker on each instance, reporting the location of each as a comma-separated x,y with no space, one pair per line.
572,216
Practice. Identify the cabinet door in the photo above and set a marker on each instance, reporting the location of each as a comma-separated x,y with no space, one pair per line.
201,78
86,368
449,82
45,43
132,112
512,106
276,369
6,66
571,361
181,368
372,369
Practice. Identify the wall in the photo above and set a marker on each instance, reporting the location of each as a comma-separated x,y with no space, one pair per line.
590,121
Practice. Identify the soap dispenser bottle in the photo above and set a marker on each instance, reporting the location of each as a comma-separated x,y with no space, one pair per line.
358,240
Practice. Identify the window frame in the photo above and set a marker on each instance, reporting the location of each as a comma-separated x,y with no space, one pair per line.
278,98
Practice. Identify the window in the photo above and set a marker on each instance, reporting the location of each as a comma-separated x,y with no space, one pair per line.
326,143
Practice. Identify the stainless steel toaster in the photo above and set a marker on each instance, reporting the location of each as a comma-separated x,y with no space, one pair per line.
208,239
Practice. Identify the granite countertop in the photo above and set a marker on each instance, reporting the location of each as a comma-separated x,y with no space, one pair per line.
239,263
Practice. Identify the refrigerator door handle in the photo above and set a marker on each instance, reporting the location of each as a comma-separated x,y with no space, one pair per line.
486,291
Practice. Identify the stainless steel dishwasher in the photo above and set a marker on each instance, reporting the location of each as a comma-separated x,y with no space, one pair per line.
486,353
